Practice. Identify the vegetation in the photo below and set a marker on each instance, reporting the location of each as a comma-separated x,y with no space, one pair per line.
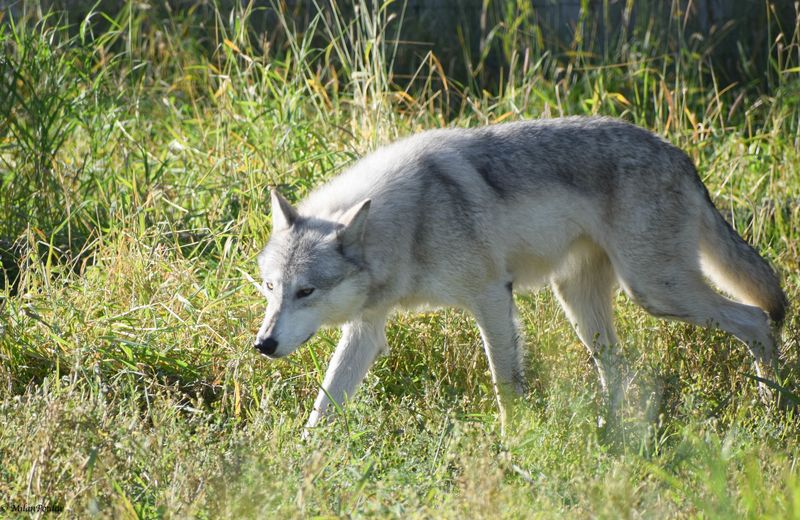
136,152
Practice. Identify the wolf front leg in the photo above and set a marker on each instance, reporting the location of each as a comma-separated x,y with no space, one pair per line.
496,316
362,340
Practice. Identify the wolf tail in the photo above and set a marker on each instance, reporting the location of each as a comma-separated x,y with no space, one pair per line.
735,267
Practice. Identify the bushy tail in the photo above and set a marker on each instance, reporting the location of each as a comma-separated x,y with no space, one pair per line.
735,267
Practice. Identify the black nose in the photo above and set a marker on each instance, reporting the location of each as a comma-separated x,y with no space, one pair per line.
266,346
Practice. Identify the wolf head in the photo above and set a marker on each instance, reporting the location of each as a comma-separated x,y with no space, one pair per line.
313,273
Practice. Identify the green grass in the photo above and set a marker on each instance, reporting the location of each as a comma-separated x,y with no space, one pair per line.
135,163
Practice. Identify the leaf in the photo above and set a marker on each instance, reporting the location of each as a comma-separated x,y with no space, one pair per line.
232,45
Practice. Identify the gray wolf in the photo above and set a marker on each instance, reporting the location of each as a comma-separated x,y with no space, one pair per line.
464,217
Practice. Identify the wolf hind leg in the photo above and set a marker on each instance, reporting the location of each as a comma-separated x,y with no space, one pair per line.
584,291
683,294
495,314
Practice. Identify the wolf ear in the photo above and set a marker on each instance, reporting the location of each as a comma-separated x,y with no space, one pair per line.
355,224
283,214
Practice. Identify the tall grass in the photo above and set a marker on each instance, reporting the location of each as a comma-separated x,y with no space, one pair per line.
136,152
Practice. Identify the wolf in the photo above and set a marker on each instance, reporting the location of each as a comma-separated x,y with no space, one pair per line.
466,217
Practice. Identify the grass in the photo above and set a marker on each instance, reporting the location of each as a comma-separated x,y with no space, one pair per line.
136,152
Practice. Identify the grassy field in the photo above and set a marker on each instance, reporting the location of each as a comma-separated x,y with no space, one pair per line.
135,162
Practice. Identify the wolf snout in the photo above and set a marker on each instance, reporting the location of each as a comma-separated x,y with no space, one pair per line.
266,346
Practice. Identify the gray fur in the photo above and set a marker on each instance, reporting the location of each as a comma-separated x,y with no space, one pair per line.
458,217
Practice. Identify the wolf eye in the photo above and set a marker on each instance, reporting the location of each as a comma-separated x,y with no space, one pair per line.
269,285
302,293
